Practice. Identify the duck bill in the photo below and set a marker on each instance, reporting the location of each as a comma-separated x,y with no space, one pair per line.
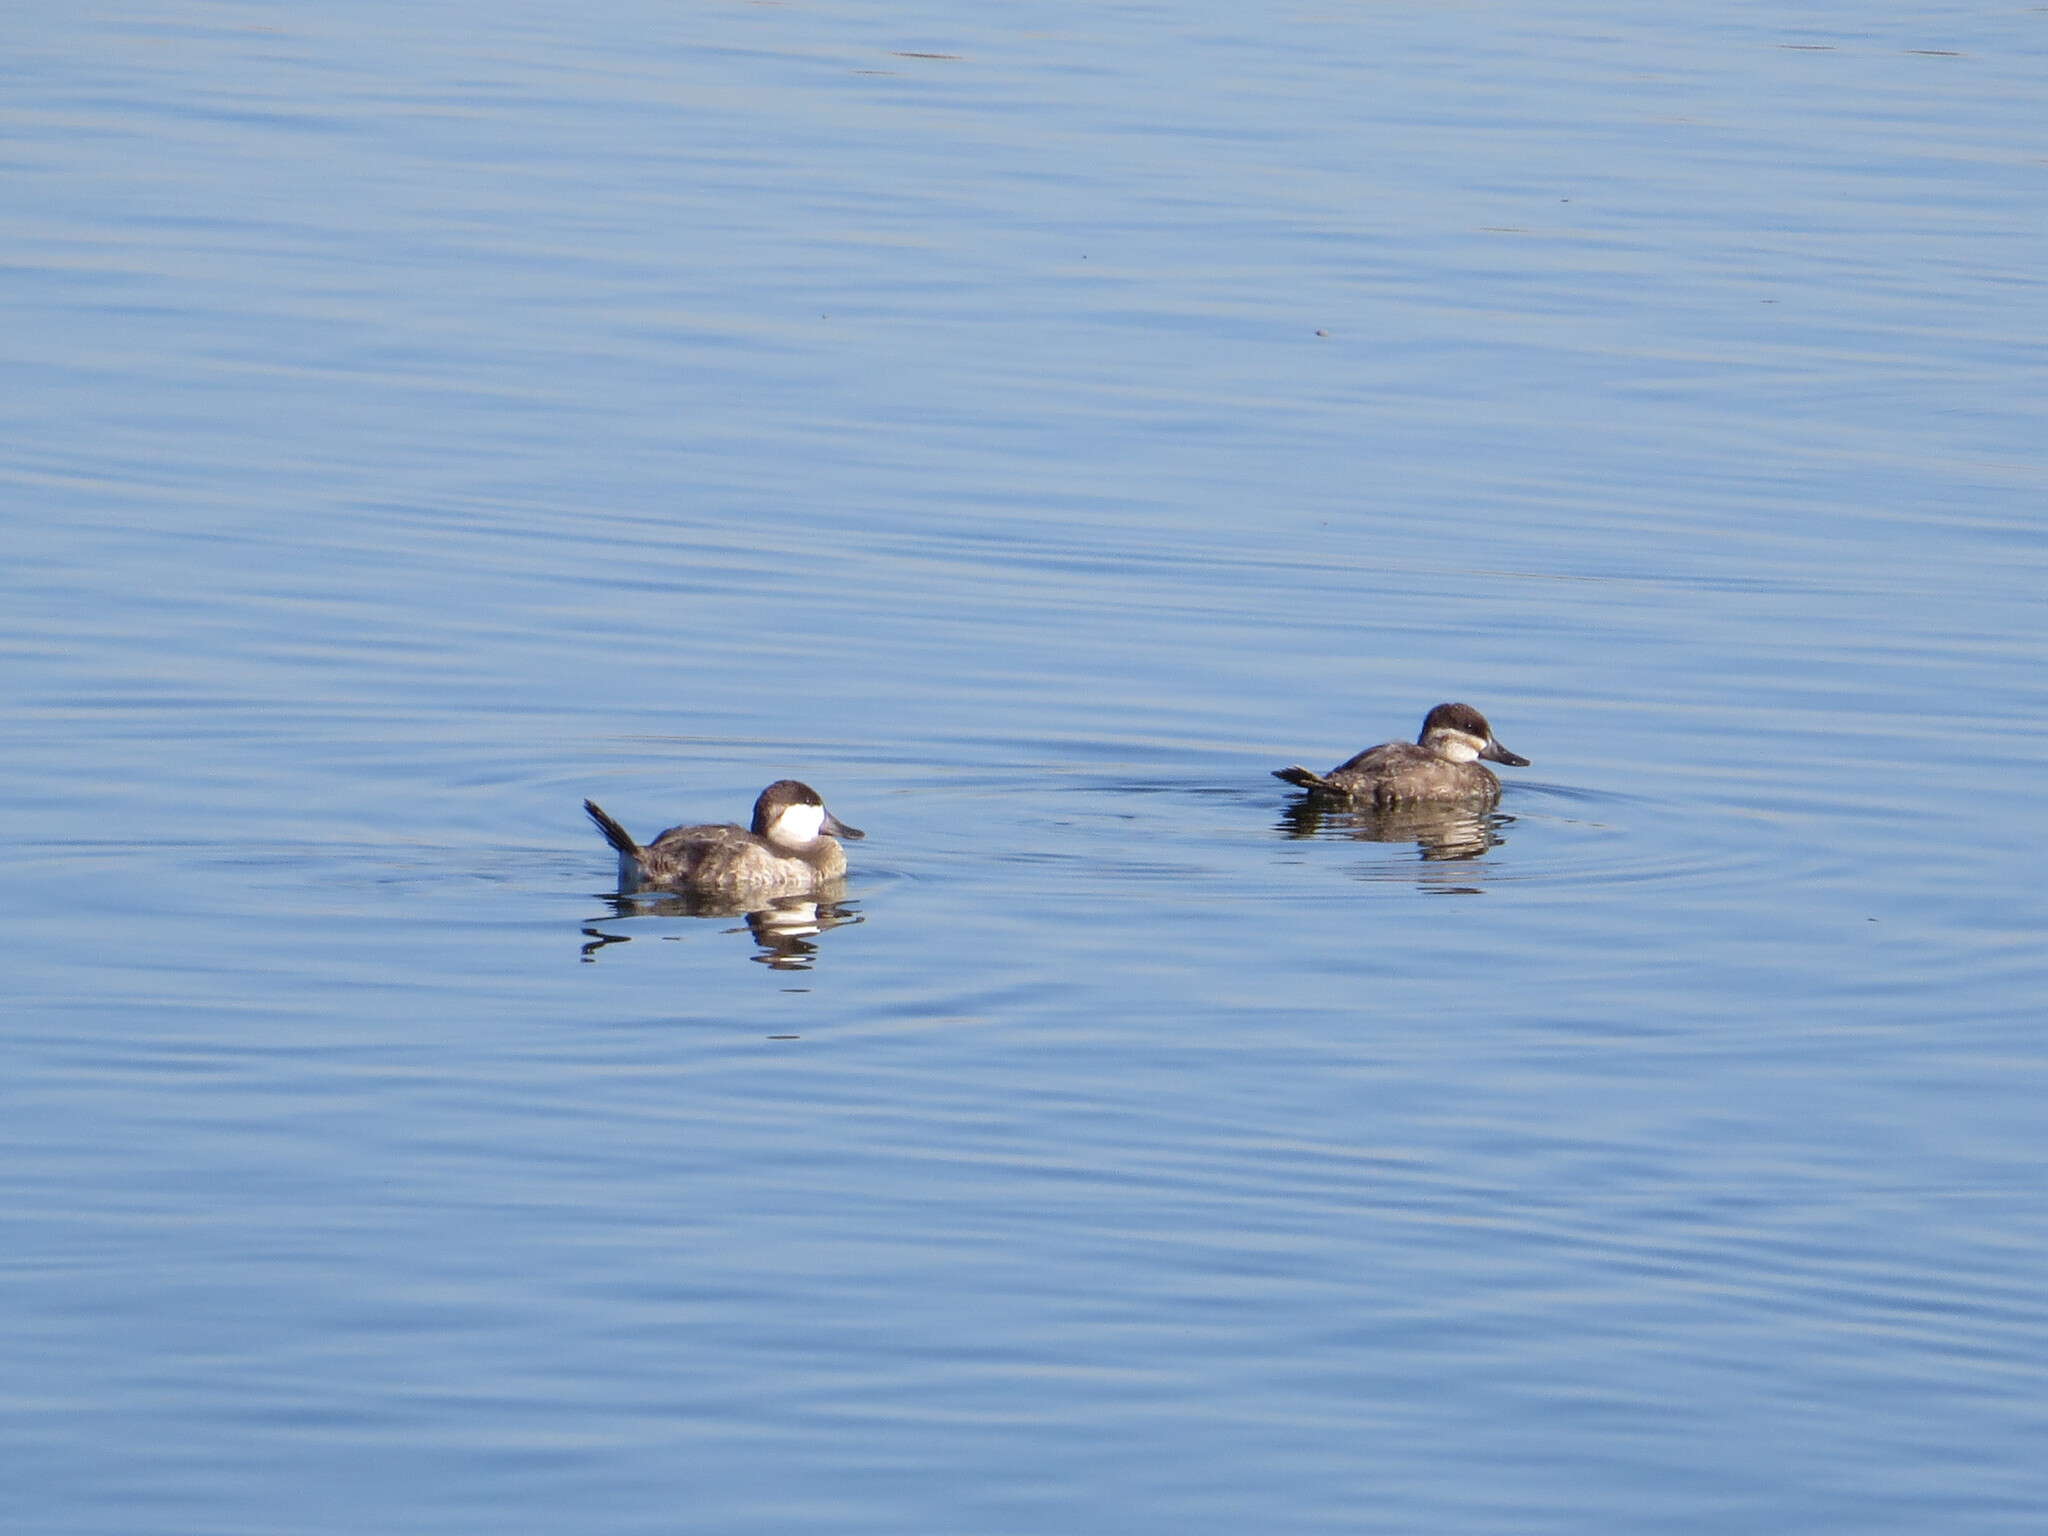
839,828
1494,752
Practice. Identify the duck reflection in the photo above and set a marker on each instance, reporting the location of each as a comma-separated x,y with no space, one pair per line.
782,928
1443,833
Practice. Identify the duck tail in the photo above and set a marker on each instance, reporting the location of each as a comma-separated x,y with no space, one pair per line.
1302,777
614,834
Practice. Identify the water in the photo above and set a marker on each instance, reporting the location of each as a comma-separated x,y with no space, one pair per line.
1032,428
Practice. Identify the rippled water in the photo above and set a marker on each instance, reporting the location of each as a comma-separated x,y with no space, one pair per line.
1032,428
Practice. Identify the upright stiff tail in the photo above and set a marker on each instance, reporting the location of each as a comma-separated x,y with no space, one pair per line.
1301,776
614,834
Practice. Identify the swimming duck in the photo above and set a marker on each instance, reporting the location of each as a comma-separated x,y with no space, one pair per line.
1438,766
791,848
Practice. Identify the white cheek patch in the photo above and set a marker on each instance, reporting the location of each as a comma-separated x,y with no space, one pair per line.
1459,747
798,825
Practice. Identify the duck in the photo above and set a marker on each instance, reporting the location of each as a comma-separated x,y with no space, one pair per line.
792,848
1439,767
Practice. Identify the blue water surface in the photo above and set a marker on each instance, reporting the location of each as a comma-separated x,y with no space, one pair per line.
1031,425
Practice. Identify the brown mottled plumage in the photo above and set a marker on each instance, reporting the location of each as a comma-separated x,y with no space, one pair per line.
790,849
1437,767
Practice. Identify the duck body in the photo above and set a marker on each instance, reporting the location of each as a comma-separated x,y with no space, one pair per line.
791,848
1440,767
